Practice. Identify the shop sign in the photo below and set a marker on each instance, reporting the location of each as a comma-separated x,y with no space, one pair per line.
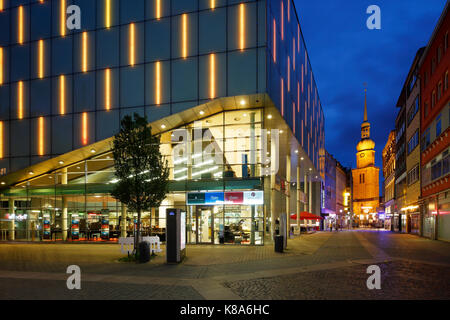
234,197
253,197
214,198
196,198
217,198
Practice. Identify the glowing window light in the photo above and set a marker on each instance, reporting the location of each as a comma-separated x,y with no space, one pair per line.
62,94
108,14
41,59
184,35
132,44
241,26
2,154
84,125
302,77
158,9
1,5
108,89
212,76
293,52
274,41
21,27
282,20
41,137
84,53
289,11
298,38
282,97
213,4
62,17
1,66
289,74
298,96
20,100
158,82
293,115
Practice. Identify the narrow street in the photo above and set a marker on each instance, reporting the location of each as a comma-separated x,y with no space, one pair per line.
324,265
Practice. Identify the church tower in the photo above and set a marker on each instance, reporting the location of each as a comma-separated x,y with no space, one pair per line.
366,185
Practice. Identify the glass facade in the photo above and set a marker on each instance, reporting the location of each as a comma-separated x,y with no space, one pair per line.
62,90
74,201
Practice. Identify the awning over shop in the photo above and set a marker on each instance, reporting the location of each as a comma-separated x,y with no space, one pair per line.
306,216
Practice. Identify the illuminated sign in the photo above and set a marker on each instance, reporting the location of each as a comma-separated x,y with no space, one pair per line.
217,198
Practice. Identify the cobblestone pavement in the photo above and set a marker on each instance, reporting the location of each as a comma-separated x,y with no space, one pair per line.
320,266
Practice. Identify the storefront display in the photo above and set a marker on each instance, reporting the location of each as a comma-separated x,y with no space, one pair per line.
75,229
47,233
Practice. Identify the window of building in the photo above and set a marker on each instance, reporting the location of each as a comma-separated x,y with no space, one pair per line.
446,42
413,142
438,125
413,110
362,178
446,81
433,65
439,91
426,139
413,175
433,99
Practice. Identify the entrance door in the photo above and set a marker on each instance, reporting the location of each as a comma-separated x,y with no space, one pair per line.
205,225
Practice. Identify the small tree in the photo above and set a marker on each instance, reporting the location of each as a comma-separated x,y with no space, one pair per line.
141,170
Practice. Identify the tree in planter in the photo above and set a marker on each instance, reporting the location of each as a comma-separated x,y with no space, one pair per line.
141,170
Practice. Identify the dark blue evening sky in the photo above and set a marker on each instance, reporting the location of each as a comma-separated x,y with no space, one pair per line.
345,54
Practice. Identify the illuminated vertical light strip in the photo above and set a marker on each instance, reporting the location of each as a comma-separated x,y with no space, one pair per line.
62,17
108,14
282,20
41,59
298,38
158,83
293,115
108,89
289,74
184,35
132,44
298,96
293,52
20,27
241,26
2,153
1,5
20,100
158,9
213,4
289,10
212,76
282,97
302,77
1,65
84,53
41,137
84,137
274,41
62,95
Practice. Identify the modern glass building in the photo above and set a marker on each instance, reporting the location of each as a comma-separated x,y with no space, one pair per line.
230,73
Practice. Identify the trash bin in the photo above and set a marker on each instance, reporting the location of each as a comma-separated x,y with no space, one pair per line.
144,252
279,242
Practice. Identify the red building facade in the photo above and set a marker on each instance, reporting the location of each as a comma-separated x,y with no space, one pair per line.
435,132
